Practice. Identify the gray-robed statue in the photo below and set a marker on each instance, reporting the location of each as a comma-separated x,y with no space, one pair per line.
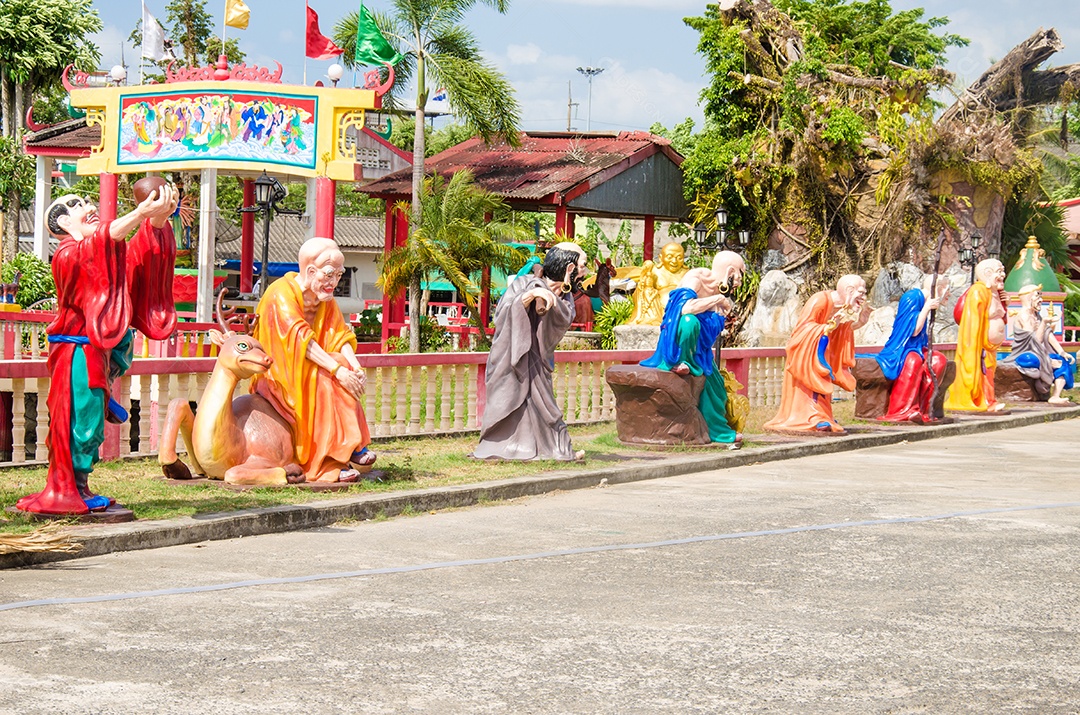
521,419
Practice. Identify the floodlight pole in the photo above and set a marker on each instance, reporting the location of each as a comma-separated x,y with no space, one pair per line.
590,72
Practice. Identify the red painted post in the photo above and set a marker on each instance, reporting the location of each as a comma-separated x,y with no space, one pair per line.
740,367
485,291
324,207
560,222
647,246
110,184
388,245
247,239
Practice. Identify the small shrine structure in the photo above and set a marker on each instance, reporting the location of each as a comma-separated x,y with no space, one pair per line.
240,120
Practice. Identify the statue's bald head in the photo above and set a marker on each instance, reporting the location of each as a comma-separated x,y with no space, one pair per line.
319,252
991,273
322,264
852,290
728,267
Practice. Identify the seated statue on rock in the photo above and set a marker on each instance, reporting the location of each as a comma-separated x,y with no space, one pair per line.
820,354
1036,352
980,315
693,320
904,357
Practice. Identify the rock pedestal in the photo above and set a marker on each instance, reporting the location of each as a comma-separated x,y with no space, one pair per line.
872,389
656,406
1010,385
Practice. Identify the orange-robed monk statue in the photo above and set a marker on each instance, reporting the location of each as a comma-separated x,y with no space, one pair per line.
981,315
820,354
315,380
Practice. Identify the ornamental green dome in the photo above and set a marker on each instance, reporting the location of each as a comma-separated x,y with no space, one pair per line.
1032,268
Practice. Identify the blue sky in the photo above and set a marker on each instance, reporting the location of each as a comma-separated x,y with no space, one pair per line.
652,72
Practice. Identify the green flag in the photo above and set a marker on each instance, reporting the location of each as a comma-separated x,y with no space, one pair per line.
371,47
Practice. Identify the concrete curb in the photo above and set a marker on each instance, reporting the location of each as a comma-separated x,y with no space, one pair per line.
104,539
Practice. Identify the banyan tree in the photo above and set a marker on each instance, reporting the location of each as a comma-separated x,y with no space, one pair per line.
825,132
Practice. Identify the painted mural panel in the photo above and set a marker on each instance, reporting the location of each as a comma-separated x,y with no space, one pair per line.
227,126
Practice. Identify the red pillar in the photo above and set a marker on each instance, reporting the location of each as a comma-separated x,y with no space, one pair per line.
485,291
560,222
110,184
650,229
324,207
397,233
247,238
570,218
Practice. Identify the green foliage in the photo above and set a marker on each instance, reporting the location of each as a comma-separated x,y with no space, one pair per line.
616,312
434,338
682,136
446,137
845,128
35,279
620,250
368,325
1072,308
17,171
1023,219
191,27
870,37
39,38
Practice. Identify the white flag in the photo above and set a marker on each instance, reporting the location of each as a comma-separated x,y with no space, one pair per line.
153,37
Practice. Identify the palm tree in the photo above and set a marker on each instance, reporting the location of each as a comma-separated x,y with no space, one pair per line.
439,52
454,239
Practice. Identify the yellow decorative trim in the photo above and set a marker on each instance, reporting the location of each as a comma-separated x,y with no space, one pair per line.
346,144
96,117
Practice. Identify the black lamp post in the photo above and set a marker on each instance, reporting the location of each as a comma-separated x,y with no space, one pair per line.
970,256
264,197
708,241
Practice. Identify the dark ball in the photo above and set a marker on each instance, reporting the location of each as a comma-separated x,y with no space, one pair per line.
146,186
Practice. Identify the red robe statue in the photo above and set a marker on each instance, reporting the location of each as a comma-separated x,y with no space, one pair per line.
103,288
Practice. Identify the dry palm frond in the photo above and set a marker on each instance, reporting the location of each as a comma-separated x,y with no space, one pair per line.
46,538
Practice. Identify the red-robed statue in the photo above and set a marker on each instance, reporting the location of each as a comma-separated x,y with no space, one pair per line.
104,287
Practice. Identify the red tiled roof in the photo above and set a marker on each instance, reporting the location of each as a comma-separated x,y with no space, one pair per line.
69,135
546,163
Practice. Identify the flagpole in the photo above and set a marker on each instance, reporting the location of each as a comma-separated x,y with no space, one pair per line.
305,42
224,19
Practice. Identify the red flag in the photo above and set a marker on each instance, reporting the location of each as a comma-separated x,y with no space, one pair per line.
319,46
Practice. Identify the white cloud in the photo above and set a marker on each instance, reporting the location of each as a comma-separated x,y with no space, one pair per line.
523,54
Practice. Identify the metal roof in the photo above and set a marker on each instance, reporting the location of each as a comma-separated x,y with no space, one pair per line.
354,234
552,168
68,136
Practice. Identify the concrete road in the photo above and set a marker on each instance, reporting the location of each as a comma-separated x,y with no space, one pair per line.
935,577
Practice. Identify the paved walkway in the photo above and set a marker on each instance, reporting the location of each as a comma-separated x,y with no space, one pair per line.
937,576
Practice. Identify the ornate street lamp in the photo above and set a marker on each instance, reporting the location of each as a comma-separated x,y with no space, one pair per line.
720,239
334,72
268,192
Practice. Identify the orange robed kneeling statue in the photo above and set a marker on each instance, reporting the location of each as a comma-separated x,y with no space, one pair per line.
315,381
981,315
820,354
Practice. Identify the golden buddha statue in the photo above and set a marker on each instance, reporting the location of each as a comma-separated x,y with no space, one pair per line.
654,282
